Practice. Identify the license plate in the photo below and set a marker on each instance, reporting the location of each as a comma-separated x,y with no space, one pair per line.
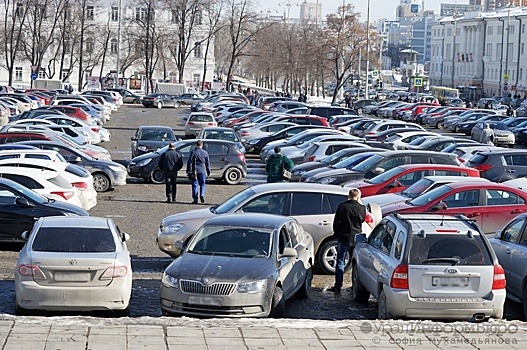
204,301
72,276
450,281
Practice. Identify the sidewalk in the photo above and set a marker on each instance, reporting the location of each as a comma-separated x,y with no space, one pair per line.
72,333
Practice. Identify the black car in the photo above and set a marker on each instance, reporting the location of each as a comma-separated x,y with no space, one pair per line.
128,96
379,163
227,162
466,127
149,138
328,111
501,164
283,106
20,207
255,145
160,100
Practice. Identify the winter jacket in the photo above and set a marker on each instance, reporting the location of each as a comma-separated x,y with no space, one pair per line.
198,162
275,166
171,161
348,221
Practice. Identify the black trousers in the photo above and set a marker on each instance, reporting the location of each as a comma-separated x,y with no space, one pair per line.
170,185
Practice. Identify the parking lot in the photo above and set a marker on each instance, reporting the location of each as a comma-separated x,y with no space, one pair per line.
138,208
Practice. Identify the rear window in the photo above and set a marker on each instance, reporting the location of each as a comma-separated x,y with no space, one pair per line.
200,118
74,240
448,249
478,159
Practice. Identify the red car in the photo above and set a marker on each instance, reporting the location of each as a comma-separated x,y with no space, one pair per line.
303,120
399,178
490,205
74,112
245,119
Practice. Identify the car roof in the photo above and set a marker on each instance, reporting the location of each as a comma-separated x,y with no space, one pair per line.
436,178
438,223
155,127
217,128
504,151
298,186
489,184
251,220
409,152
74,221
435,166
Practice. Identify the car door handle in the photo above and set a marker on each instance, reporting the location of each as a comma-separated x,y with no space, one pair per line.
324,223
507,251
511,171
223,159
472,215
516,211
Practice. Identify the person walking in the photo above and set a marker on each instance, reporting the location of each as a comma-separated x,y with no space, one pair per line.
276,164
198,168
170,163
347,223
487,135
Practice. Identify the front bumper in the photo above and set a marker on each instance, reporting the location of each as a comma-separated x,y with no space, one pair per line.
118,178
88,198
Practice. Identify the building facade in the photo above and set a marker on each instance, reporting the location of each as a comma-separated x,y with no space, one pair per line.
311,11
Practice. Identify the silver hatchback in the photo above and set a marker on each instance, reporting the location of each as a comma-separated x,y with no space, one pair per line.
428,266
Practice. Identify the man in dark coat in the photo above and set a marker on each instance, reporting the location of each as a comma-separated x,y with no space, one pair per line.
276,164
170,163
199,168
347,223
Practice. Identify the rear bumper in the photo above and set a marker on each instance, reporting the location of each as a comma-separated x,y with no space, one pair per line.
401,304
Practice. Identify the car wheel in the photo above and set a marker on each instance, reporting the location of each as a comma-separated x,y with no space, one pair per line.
136,102
359,110
303,292
160,105
456,129
327,257
358,292
382,312
20,311
101,182
232,176
177,104
441,126
157,176
511,146
121,313
278,303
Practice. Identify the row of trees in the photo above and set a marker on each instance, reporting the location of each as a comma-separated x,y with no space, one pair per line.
160,36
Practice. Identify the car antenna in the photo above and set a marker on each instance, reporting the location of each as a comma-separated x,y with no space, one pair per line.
442,220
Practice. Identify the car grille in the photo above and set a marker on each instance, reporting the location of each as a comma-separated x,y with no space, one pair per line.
196,287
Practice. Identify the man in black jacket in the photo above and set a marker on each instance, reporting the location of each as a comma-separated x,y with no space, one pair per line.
347,223
170,163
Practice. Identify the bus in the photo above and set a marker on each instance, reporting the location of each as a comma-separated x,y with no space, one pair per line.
441,92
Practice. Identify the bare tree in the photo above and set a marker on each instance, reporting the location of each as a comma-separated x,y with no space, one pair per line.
15,16
212,11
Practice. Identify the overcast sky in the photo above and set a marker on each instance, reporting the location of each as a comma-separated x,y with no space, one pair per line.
378,8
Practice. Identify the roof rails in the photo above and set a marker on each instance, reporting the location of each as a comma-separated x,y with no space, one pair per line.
415,217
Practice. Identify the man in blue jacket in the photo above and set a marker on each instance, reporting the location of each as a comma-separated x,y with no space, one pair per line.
198,168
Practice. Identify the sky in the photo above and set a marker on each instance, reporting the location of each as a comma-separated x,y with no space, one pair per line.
378,8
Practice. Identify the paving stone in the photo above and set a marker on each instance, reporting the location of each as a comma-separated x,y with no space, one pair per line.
24,345
218,341
340,333
156,331
299,343
59,345
186,347
188,341
222,332
184,331
297,333
20,328
265,343
260,333
108,330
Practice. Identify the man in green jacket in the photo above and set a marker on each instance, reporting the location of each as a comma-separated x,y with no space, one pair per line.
276,164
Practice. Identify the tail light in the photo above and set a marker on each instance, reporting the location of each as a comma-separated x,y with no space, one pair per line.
461,160
498,280
369,220
80,185
241,156
114,272
210,124
312,158
31,271
95,129
245,133
64,194
190,123
483,167
400,277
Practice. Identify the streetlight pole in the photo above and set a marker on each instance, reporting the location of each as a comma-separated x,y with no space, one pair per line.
506,77
455,17
367,90
118,65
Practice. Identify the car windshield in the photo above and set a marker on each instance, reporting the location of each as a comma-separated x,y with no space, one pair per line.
429,197
351,161
9,197
340,155
379,179
74,240
157,135
417,188
368,164
498,126
244,242
232,202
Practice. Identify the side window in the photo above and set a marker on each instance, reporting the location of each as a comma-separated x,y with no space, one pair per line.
387,238
375,239
284,241
399,245
185,150
272,203
306,203
292,234
449,173
438,160
334,201
392,163
315,121
499,197
23,180
7,197
38,156
519,159
216,149
275,128
513,231
9,156
410,178
463,199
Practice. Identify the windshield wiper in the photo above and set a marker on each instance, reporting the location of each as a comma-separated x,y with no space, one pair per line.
213,209
200,252
454,261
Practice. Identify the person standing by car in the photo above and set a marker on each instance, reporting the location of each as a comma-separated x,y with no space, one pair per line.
170,163
347,223
276,164
487,135
198,168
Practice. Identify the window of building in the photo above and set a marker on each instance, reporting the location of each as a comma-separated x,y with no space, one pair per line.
174,16
140,14
198,18
41,74
197,50
66,44
511,29
521,73
18,73
490,30
523,48
113,46
89,13
523,28
499,50
89,45
500,30
489,50
449,32
65,74
458,31
114,14
511,50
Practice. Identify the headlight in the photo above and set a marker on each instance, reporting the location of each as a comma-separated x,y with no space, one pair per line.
253,141
327,180
142,148
252,287
299,172
171,228
144,162
117,168
170,281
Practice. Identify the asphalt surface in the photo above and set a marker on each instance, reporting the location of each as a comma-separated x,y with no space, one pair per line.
138,208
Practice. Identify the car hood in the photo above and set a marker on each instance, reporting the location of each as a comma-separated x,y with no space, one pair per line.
153,144
203,214
503,132
66,207
334,172
390,208
144,156
308,166
385,199
218,268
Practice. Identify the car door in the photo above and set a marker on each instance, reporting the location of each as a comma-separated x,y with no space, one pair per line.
504,245
466,202
404,181
518,269
516,165
298,271
14,219
501,207
286,265
218,157
367,259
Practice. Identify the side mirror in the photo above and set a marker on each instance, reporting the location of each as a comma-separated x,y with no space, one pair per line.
184,119
25,235
133,138
360,238
378,171
498,234
179,245
439,206
289,253
23,202
126,237
395,184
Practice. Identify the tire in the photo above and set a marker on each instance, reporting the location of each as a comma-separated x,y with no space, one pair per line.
177,104
136,102
232,176
160,105
382,311
327,257
157,176
525,304
441,126
121,313
20,311
277,303
303,292
358,292
359,110
101,182
456,129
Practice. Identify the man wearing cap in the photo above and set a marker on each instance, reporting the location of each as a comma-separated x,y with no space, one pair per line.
170,163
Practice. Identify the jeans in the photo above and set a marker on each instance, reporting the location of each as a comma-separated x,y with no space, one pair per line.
200,181
342,253
170,185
